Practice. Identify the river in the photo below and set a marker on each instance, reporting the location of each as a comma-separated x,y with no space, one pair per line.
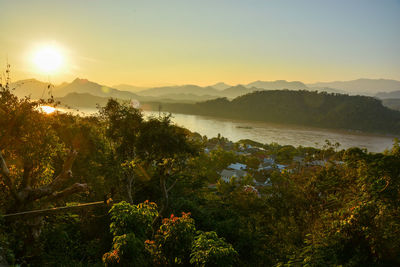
264,133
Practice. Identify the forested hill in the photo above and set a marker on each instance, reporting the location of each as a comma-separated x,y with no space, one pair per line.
302,108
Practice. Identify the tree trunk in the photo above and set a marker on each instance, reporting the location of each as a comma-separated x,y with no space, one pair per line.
164,192
129,181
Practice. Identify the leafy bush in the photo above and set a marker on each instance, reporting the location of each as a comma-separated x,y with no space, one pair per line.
130,226
173,241
210,250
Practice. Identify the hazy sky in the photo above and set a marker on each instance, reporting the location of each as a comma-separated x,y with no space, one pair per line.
201,42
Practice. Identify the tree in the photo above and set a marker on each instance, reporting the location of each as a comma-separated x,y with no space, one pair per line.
123,124
173,241
32,148
166,148
210,250
35,165
130,226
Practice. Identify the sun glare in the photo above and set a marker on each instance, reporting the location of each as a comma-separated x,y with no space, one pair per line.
47,109
48,59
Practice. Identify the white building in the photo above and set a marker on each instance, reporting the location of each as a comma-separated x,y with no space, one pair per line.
237,166
227,175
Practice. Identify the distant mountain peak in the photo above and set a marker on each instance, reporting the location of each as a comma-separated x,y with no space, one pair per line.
238,86
220,86
79,80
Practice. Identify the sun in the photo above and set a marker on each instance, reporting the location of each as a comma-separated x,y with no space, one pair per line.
48,59
47,109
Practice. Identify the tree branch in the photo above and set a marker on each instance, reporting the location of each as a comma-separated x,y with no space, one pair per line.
26,177
5,172
163,186
129,181
173,184
4,169
30,194
384,188
75,188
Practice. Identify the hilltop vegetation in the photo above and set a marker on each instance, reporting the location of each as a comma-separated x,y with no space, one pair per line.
325,110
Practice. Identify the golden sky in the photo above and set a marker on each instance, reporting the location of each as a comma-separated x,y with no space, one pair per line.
152,43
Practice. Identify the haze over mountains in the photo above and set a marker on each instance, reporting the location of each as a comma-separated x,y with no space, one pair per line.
131,88
388,95
388,89
36,89
361,86
221,86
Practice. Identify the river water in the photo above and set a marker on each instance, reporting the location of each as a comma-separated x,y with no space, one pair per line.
264,133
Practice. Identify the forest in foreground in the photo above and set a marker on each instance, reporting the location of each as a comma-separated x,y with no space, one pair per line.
157,200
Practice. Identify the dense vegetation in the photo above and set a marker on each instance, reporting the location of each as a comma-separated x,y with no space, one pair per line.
325,110
159,208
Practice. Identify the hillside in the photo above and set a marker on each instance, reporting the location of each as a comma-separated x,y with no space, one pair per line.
82,100
325,110
184,89
130,88
30,87
85,86
221,89
236,91
38,89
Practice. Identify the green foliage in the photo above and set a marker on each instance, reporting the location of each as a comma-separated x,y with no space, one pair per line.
160,139
72,239
128,250
30,143
210,250
220,159
127,218
173,241
130,226
6,253
358,204
123,124
345,213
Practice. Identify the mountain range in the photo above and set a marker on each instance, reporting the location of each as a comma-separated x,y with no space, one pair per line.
361,86
37,89
193,93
